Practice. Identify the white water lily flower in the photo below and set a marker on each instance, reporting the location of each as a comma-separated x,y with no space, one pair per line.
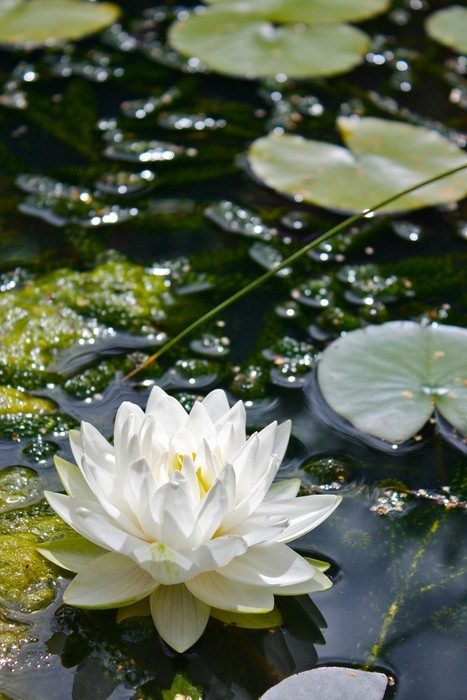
183,509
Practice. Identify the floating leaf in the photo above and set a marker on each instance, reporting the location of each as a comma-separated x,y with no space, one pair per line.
383,157
387,380
449,27
312,11
239,40
332,683
40,22
259,621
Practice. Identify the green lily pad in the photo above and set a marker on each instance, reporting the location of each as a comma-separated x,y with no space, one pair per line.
40,22
237,40
312,11
387,380
383,157
449,27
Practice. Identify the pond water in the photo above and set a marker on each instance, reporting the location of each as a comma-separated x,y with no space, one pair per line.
127,211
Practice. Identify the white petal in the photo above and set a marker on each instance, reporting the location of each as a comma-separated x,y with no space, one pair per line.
73,552
165,565
176,512
304,513
253,498
178,616
220,592
254,460
110,581
167,409
269,565
199,422
107,489
257,529
217,553
72,479
216,404
213,507
96,447
139,490
287,488
319,582
92,522
126,437
282,439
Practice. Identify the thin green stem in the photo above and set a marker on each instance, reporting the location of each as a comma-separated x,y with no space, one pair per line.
285,263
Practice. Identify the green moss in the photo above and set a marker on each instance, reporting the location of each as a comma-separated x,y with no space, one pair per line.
66,308
14,401
18,486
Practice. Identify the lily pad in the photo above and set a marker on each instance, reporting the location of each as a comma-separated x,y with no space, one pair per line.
313,11
449,27
237,40
383,157
332,683
40,22
387,380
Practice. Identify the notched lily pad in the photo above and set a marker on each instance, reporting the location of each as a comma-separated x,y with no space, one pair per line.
382,158
388,380
332,683
449,27
260,40
46,22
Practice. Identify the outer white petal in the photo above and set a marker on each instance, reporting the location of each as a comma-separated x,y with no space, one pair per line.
319,582
110,581
108,490
178,616
269,565
73,552
95,447
304,513
92,523
127,437
220,592
257,529
282,439
288,488
167,409
72,479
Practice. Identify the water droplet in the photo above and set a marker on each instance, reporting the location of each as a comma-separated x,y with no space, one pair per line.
407,230
59,203
308,105
249,383
97,67
117,38
211,345
166,56
146,151
328,473
315,292
191,374
288,309
125,182
189,122
236,219
139,109
268,257
296,220
333,249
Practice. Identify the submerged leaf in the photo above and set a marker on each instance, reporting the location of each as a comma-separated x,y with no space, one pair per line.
383,157
387,380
